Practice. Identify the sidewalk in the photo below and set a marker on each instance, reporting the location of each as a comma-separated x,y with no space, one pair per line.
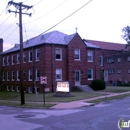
83,103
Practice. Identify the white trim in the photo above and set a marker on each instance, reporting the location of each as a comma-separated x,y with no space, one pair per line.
91,74
60,50
18,89
58,72
30,56
30,71
37,58
90,54
77,59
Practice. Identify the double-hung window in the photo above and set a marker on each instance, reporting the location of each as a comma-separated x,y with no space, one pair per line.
18,75
13,59
3,61
90,56
30,56
13,75
24,57
90,74
58,74
37,55
37,75
18,58
58,54
8,76
8,60
3,76
30,75
77,54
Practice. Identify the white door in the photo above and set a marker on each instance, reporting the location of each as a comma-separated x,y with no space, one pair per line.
77,77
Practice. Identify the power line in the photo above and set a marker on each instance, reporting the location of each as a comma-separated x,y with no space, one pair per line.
47,12
11,33
38,3
8,27
5,20
67,17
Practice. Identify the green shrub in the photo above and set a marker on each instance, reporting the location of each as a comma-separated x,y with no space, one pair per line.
98,84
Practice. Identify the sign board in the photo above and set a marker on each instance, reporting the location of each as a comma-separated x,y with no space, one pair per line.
106,75
63,87
43,80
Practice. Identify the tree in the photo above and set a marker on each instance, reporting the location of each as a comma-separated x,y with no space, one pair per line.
126,36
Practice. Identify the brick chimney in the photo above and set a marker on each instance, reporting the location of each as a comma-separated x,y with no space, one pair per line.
1,45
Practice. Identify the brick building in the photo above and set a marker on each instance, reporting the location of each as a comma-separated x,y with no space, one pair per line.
58,56
116,61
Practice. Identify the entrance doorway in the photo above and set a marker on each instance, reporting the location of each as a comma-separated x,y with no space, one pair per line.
77,77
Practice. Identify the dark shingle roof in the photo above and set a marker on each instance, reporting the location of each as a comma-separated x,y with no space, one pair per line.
54,37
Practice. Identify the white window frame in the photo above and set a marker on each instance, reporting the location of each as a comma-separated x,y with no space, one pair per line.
3,59
101,60
128,71
12,88
119,59
13,59
90,54
18,58
37,89
3,76
13,75
119,71
58,73
18,89
30,89
77,55
128,58
90,74
37,55
7,88
8,76
8,60
30,56
30,75
24,57
58,51
18,75
111,71
37,78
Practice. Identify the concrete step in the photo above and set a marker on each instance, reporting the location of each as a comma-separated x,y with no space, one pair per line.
85,88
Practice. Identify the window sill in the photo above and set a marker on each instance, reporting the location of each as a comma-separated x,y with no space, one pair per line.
58,59
77,59
58,79
90,79
90,61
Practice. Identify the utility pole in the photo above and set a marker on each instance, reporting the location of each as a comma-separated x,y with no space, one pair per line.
20,6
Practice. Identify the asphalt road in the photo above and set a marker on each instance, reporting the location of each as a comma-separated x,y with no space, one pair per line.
104,116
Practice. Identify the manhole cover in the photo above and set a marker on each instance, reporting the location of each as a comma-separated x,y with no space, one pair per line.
24,116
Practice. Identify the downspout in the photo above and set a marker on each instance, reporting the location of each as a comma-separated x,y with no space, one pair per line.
95,63
33,70
52,66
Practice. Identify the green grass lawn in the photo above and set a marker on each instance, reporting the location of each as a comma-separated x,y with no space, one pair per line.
31,100
14,96
117,89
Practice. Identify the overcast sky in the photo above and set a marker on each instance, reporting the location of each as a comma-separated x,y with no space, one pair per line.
101,20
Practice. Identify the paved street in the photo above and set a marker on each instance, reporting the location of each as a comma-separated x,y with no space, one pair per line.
104,116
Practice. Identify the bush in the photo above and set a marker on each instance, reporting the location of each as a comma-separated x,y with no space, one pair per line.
98,84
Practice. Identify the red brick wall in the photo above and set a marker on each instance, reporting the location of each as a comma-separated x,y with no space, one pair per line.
81,65
124,65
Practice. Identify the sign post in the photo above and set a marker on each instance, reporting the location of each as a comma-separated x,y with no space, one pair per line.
106,79
43,80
